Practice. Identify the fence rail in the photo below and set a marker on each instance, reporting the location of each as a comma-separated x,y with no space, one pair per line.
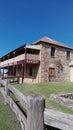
28,102
8,100
12,78
37,114
58,119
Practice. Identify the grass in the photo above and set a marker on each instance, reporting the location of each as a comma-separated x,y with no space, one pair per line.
8,120
46,89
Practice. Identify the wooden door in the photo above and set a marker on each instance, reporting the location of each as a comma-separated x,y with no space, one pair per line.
51,74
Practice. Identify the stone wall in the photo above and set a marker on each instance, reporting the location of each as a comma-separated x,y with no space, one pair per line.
35,74
64,99
59,62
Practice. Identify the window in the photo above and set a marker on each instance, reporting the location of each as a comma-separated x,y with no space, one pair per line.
30,71
14,70
68,55
52,51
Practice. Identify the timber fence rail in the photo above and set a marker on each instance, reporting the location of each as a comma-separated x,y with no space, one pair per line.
12,78
37,115
34,106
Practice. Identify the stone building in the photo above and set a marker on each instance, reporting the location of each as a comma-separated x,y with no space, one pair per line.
45,60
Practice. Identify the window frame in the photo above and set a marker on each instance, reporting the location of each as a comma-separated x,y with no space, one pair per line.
68,55
30,71
52,51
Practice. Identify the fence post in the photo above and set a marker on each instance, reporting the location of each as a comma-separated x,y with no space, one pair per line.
0,84
35,112
6,90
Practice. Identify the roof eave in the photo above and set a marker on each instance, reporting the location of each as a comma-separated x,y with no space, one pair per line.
37,42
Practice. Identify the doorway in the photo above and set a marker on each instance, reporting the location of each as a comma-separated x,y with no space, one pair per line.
51,74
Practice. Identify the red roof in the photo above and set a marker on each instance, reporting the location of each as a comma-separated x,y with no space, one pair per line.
50,41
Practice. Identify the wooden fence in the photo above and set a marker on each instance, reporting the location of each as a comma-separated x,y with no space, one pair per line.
12,79
36,114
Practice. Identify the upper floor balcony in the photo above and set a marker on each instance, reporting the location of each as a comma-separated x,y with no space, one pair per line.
17,59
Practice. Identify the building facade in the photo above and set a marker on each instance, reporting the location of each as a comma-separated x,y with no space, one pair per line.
45,60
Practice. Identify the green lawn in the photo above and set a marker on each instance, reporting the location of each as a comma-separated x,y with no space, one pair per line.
8,120
46,89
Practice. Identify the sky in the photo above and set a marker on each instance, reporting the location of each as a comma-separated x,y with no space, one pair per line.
25,21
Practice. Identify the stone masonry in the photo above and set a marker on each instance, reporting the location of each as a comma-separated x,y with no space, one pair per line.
59,62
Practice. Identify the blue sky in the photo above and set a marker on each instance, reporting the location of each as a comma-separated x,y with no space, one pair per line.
24,21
